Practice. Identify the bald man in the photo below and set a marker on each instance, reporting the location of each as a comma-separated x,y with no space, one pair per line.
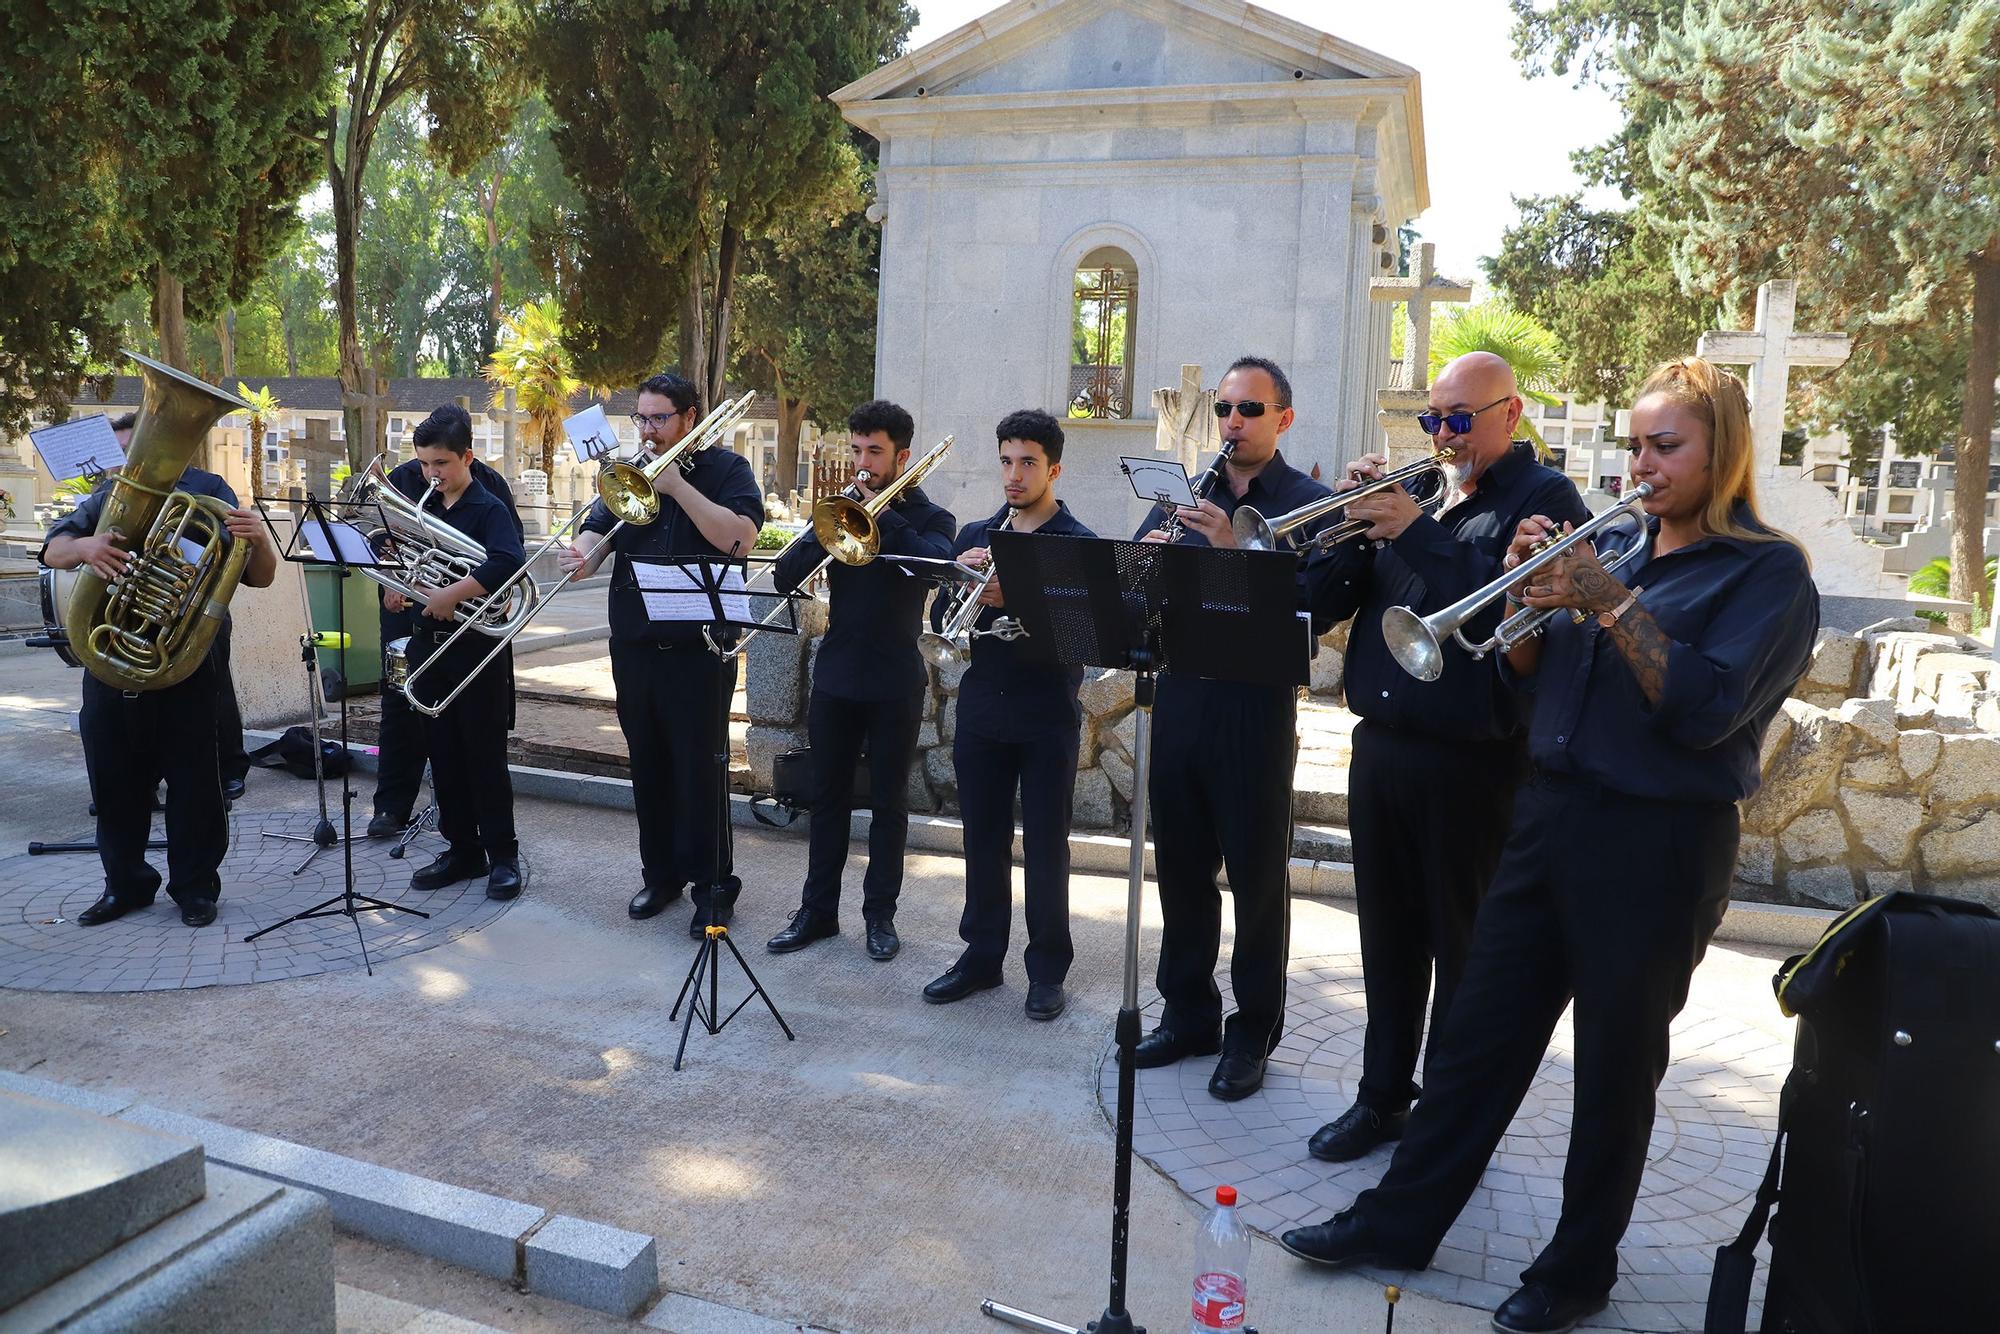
1431,786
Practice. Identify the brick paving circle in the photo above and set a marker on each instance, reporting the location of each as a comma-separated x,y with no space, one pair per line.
43,949
1711,1140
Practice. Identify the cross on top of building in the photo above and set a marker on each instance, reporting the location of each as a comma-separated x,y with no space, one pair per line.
1770,350
1419,291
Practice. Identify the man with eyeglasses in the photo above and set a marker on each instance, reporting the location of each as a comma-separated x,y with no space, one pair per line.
1221,786
670,685
1431,784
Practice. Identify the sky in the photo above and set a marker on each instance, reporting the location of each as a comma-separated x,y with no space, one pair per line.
1490,132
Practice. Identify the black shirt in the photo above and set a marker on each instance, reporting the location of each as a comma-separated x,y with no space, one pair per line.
408,479
721,475
491,524
1431,564
1741,616
82,521
876,611
1007,694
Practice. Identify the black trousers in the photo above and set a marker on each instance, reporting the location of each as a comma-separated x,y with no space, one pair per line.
1619,935
399,764
837,729
670,705
230,756
1430,818
468,746
133,741
1221,795
1043,770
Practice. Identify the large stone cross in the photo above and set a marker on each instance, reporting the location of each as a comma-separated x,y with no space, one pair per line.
1419,292
1185,424
366,410
1770,350
504,409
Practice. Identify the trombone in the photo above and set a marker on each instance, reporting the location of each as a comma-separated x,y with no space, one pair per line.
1417,642
626,488
952,644
1254,532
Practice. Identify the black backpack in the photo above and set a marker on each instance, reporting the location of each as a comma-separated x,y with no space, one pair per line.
1885,1175
293,752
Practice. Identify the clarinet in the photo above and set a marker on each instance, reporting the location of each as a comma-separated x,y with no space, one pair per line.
1202,486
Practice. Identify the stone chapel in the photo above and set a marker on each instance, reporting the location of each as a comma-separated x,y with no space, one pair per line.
1078,197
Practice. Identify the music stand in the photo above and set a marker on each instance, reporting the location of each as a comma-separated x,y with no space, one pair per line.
1152,608
341,547
702,595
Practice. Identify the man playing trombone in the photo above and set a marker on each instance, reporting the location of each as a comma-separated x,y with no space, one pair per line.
670,686
1016,730
1435,764
868,685
468,738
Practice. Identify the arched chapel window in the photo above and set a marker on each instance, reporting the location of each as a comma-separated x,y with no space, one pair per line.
1103,329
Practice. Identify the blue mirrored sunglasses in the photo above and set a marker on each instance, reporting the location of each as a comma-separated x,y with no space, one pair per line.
1459,422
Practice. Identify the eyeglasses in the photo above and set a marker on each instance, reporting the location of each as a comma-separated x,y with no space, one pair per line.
1223,407
642,420
1459,422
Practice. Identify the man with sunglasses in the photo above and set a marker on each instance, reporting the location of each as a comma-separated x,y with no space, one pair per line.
1431,784
1221,787
669,684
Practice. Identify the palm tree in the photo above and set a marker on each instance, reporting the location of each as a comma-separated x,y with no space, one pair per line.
264,406
1516,337
531,360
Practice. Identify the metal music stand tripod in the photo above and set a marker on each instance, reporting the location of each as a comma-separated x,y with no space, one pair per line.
1155,609
323,538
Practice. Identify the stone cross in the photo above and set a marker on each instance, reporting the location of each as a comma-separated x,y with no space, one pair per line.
366,408
1419,292
1770,350
505,410
315,454
1184,420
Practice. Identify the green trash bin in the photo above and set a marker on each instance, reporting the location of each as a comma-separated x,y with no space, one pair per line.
364,629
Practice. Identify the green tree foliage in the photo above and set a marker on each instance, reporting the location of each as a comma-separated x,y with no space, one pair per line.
1514,336
689,129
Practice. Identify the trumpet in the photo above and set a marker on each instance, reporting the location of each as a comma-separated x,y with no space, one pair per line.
846,526
1417,642
1254,532
1202,486
626,488
953,643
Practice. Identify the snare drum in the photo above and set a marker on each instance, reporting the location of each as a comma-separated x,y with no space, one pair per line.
396,663
57,586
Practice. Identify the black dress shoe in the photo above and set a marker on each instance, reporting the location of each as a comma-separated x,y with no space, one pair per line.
198,912
806,927
883,942
385,825
713,907
652,901
1236,1076
505,881
1336,1243
956,984
1356,1131
1163,1046
449,869
232,789
1045,1000
106,909
1541,1309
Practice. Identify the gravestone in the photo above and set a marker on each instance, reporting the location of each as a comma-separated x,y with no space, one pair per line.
1398,404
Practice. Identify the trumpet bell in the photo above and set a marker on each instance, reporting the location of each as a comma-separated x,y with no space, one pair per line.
940,650
628,493
1253,530
1412,643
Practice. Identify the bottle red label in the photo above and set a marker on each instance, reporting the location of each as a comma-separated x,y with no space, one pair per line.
1218,1301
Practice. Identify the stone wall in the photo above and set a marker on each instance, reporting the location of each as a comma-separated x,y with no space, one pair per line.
1882,772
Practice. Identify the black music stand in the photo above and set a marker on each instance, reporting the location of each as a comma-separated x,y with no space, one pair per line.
342,548
699,600
1152,608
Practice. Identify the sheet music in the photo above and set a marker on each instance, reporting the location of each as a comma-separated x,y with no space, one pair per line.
590,434
79,446
349,545
1162,481
672,593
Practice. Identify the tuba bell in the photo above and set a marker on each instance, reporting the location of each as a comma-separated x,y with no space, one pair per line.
152,626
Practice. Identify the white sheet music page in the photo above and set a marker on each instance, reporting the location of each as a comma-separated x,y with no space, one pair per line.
590,434
79,446
1162,481
348,543
672,593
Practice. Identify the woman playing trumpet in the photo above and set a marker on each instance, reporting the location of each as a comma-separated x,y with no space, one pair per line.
1646,725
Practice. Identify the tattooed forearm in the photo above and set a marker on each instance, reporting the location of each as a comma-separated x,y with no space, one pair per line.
1644,644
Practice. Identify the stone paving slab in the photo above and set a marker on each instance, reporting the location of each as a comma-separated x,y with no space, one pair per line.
43,949
1718,1110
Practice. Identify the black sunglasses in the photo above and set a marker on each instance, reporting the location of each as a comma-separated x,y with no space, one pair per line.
1223,407
1459,422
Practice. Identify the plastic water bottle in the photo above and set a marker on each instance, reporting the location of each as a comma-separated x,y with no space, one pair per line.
1221,1264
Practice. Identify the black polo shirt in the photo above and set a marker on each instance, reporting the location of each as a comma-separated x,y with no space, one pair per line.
1431,564
876,611
82,521
1007,694
723,476
408,479
1742,617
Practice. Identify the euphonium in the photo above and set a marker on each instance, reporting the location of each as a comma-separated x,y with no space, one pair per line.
846,527
423,554
152,626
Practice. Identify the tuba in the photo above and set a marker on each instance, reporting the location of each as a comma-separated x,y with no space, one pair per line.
152,626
